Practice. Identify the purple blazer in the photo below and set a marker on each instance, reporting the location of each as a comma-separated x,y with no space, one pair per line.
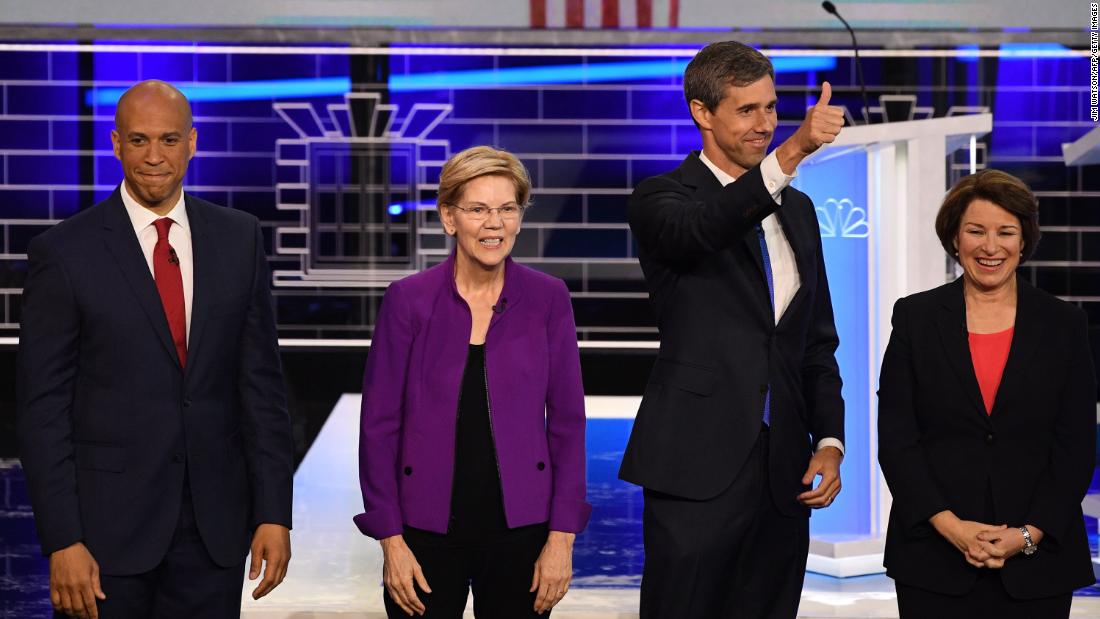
410,403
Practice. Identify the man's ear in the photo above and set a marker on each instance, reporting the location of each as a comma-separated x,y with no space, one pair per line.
700,113
116,143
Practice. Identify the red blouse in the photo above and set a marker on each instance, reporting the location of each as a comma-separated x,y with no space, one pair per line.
989,352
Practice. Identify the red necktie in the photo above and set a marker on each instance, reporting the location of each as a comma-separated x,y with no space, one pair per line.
166,270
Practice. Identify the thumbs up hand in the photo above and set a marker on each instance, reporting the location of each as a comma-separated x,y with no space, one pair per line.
826,94
821,126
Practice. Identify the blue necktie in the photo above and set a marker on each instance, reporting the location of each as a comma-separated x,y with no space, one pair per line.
771,296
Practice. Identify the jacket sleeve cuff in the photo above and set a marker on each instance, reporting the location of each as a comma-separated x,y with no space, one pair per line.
1052,526
569,516
913,520
380,523
53,543
60,528
272,511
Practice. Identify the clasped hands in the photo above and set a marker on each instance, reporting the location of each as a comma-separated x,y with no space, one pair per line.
982,545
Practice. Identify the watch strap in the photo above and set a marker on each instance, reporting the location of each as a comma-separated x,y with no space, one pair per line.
1029,544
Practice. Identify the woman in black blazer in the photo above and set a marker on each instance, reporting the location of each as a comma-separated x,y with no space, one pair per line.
987,424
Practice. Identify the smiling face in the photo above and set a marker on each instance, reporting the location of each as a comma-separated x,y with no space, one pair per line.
989,243
154,140
736,134
488,242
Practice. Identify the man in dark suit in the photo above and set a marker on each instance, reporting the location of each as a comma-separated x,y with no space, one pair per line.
152,413
743,407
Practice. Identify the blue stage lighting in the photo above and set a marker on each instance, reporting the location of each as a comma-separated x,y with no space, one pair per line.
240,91
396,209
1030,51
802,64
553,74
1016,51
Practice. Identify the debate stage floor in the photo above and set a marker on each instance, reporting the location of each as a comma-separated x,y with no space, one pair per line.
336,572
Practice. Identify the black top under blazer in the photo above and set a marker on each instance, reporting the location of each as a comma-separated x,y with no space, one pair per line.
1029,462
108,420
720,347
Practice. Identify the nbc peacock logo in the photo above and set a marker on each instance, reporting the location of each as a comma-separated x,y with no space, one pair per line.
842,219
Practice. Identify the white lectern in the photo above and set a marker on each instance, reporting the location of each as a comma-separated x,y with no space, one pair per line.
877,190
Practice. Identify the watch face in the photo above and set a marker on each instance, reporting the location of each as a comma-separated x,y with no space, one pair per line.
1030,550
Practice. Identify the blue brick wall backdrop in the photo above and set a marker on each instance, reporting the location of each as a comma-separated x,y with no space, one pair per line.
303,163
587,139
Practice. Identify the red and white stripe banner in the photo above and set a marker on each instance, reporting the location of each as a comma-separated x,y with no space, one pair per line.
605,13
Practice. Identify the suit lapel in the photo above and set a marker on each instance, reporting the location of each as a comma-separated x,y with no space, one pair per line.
1026,336
123,245
951,323
695,173
204,254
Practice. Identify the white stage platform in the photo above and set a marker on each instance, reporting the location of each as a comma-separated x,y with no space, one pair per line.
336,572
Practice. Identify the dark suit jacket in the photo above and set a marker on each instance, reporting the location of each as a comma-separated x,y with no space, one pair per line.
1029,462
108,422
720,346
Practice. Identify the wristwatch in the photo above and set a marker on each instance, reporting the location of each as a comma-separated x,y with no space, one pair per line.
1029,546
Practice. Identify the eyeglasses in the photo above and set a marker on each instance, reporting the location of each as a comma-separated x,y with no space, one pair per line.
508,212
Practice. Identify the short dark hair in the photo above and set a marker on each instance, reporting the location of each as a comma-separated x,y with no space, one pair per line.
720,65
1000,188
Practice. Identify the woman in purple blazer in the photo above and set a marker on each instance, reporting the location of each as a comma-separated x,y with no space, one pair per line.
471,448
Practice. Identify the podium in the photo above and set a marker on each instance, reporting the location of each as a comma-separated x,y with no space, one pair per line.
877,190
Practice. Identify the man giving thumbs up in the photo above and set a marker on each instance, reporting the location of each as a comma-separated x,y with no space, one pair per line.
743,409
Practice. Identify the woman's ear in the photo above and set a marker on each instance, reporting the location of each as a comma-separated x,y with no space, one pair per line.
447,217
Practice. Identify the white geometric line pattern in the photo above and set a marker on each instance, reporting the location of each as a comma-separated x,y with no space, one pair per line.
374,150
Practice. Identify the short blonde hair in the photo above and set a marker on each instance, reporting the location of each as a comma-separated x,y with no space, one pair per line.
478,161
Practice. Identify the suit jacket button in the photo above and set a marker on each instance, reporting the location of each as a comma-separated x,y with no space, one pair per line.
989,439
763,389
540,466
408,471
187,402
177,458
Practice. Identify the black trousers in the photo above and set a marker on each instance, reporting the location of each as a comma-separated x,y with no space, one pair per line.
733,556
988,598
187,584
498,569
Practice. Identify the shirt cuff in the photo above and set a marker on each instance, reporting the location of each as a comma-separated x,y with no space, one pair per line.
830,442
774,178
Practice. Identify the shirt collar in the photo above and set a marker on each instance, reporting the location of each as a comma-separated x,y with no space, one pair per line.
719,173
142,218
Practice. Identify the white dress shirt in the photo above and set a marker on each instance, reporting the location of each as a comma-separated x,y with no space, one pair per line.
785,277
179,237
